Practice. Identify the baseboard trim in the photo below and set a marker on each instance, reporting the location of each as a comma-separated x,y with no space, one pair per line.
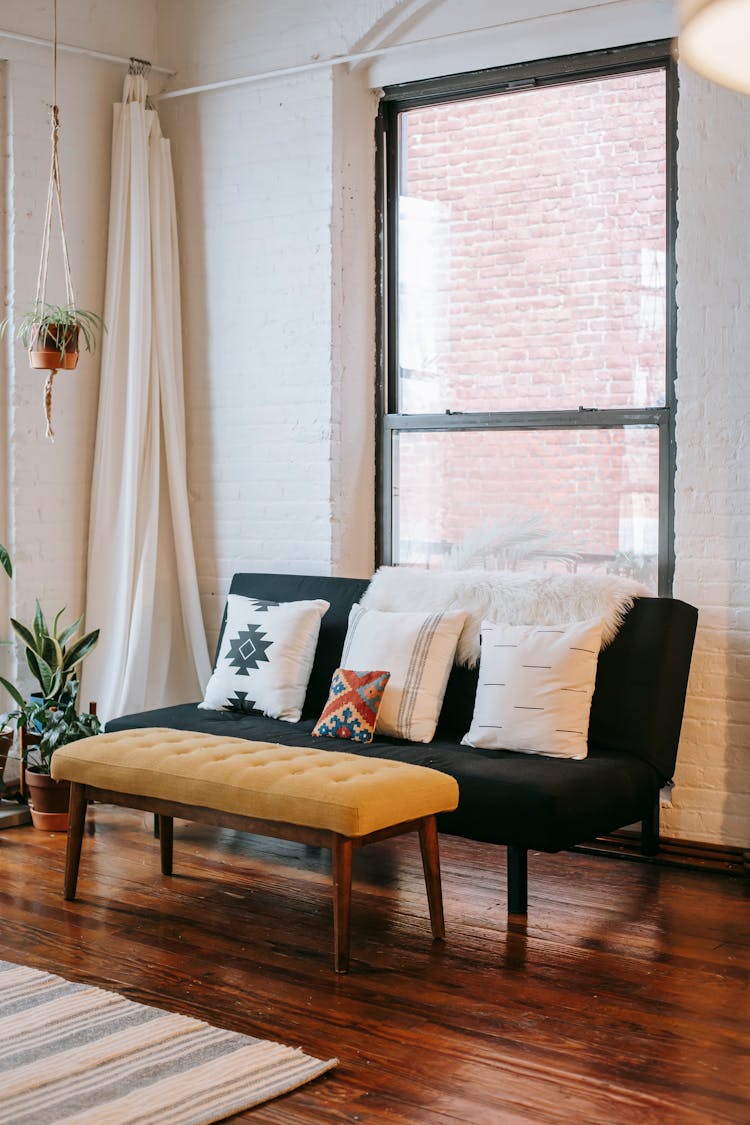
673,853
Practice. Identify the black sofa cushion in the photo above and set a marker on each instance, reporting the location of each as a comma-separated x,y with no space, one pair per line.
505,798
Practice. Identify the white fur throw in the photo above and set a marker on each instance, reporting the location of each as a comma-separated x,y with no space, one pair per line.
510,597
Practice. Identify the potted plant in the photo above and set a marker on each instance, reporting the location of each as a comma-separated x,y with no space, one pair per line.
50,660
49,718
44,726
53,334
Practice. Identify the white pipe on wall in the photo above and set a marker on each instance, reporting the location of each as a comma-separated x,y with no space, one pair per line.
37,41
380,52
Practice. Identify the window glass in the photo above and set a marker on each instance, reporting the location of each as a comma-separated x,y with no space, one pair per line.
563,500
532,249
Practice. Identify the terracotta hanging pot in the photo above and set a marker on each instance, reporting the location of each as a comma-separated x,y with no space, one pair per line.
54,349
48,801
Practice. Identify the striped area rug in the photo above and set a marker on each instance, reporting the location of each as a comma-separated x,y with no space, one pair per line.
74,1054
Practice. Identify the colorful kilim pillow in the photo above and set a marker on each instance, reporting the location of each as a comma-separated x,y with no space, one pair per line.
353,704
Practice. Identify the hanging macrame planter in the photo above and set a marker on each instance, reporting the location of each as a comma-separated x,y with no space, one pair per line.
53,333
53,345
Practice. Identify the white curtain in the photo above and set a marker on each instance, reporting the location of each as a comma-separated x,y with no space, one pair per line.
142,588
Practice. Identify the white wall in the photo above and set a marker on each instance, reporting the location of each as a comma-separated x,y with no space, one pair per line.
712,798
45,487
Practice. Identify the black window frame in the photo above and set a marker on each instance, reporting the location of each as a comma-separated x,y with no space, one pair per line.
546,72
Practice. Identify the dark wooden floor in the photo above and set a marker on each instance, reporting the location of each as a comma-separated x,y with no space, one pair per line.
624,999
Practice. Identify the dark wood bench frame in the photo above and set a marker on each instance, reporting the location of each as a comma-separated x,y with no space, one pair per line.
341,849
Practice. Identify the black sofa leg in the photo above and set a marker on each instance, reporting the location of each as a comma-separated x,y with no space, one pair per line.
518,881
650,830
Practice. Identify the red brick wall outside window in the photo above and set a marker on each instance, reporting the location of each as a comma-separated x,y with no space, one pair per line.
532,277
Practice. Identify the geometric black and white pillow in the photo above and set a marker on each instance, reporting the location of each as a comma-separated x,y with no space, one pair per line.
535,687
266,657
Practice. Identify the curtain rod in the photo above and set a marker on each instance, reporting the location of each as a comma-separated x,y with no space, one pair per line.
36,41
380,52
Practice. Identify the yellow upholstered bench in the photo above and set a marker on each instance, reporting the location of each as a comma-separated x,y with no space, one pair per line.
318,797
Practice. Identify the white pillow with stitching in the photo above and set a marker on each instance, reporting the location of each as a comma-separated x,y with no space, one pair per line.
536,683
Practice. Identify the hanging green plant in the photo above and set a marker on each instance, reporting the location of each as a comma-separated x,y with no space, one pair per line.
52,333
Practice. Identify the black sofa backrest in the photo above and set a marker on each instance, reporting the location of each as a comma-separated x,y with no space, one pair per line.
640,684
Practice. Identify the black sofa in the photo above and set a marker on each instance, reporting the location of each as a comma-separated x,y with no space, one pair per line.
519,800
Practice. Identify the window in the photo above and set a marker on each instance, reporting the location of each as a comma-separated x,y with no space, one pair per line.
527,321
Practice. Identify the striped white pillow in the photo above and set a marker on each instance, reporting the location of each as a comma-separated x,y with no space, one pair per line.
535,688
417,649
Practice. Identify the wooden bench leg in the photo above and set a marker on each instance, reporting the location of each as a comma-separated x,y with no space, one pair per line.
76,822
341,854
166,839
428,842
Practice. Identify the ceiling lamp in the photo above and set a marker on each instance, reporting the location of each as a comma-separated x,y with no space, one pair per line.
715,40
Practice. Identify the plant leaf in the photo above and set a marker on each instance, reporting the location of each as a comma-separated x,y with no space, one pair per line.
12,691
24,633
5,562
80,649
40,625
69,632
33,662
51,651
46,676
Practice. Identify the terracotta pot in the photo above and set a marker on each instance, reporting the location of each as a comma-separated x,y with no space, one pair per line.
47,354
48,801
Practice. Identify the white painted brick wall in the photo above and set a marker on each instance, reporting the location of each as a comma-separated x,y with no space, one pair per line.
712,792
256,282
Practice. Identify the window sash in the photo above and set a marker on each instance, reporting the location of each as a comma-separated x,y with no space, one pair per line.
398,99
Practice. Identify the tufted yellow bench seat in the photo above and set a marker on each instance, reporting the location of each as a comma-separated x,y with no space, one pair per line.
318,797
